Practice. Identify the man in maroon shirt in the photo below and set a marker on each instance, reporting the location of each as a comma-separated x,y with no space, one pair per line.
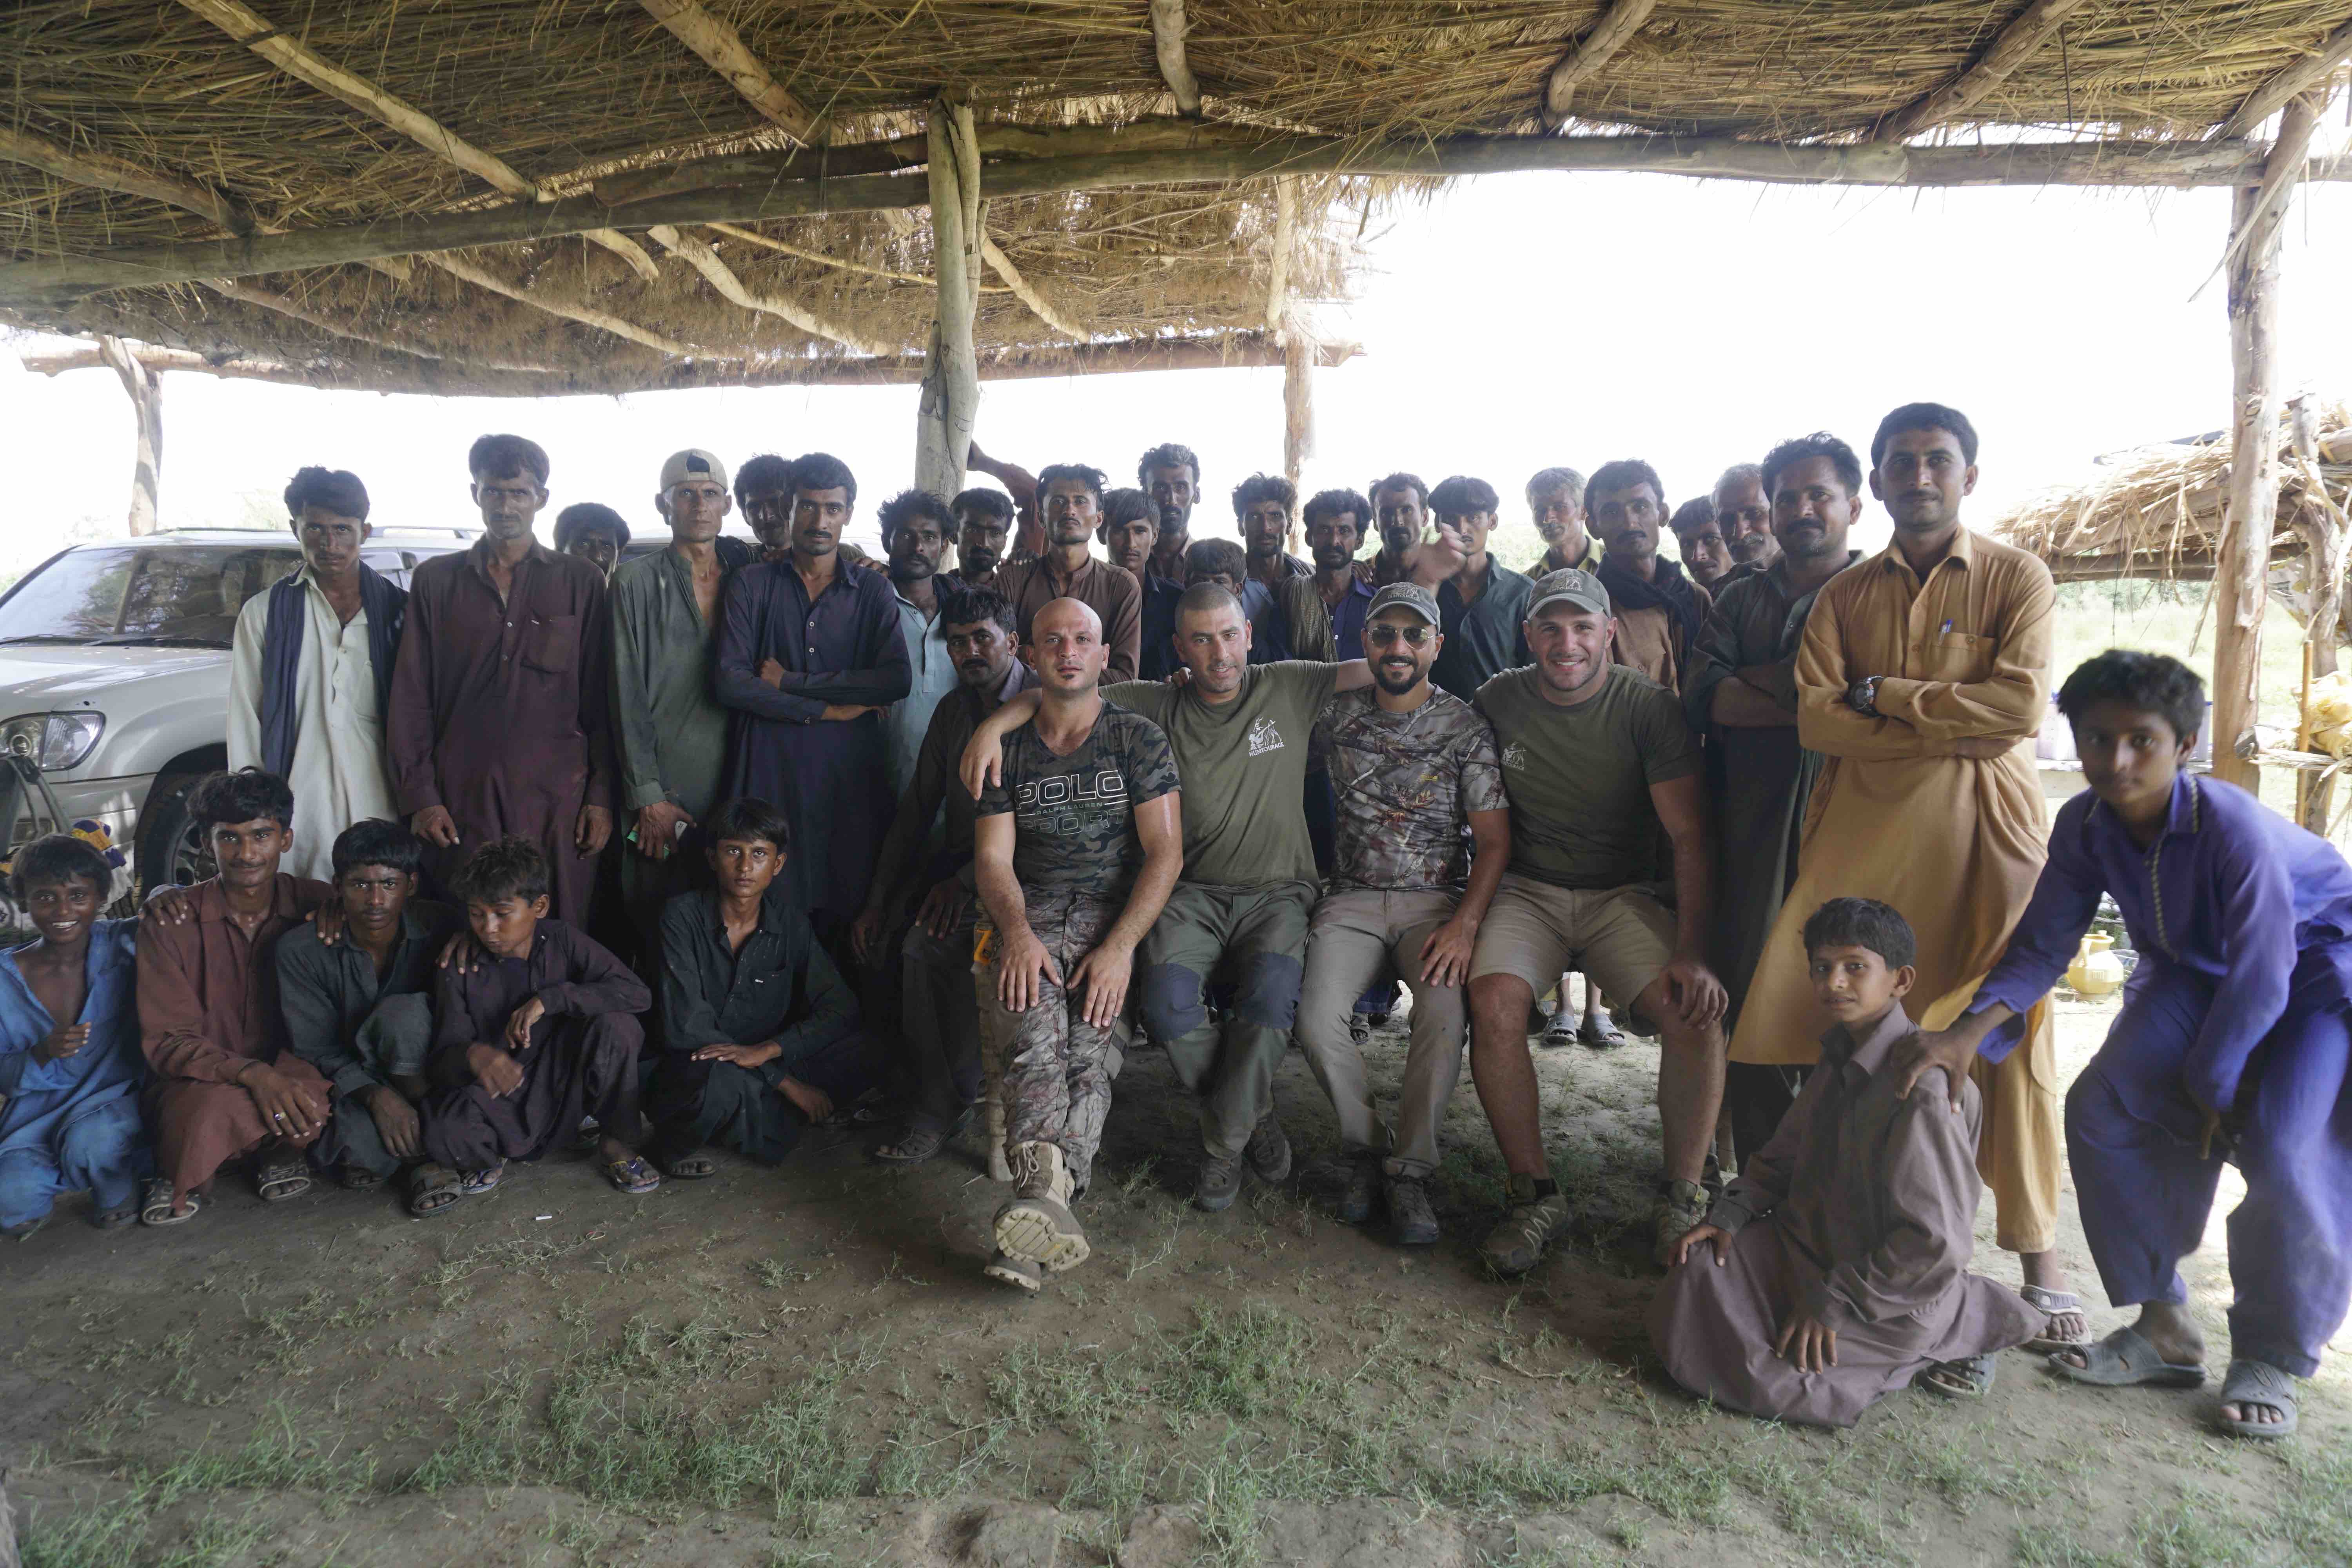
501,700
208,1017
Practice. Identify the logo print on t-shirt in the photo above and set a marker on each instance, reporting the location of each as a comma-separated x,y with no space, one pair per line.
1264,736
1514,756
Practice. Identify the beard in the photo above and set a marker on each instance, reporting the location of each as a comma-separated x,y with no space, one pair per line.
1395,683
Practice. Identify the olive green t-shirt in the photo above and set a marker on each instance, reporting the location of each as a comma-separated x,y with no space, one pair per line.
1243,764
1579,777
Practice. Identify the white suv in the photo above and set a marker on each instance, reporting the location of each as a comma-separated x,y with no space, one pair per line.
114,679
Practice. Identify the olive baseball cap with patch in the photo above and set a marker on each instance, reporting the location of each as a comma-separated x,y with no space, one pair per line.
1405,596
1569,586
694,463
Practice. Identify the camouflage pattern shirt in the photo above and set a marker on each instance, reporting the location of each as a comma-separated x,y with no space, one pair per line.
1074,816
1406,784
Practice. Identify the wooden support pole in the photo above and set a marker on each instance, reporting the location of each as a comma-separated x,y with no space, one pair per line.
723,50
949,409
1167,27
1599,45
52,283
2015,44
2250,509
146,389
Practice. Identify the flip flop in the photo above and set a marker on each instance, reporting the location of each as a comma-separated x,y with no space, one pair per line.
429,1181
1970,1377
155,1203
2126,1358
481,1183
2252,1382
2054,1302
632,1176
912,1147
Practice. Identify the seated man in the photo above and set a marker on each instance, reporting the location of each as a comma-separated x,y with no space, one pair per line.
70,1062
1835,1269
223,1086
1077,851
2233,1045
533,1030
760,1033
355,988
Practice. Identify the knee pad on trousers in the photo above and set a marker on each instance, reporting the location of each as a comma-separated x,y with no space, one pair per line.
1170,1002
1267,995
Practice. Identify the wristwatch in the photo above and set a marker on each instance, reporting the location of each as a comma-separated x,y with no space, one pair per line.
1862,696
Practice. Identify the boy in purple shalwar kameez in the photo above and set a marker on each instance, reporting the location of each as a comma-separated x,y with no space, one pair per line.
2232,1045
1839,1268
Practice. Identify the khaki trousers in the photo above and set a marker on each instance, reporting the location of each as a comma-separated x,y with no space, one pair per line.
1353,935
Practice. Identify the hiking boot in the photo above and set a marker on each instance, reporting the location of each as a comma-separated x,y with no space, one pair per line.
1412,1222
1364,1186
1017,1272
1268,1150
1036,1225
1532,1224
1682,1210
1221,1182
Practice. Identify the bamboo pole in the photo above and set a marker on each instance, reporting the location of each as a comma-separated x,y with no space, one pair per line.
2015,44
2250,508
49,284
950,407
146,389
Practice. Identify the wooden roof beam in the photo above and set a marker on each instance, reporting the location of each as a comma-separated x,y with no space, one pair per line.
1026,292
2178,165
1600,43
697,254
269,299
249,27
571,310
105,171
721,48
2289,84
1167,27
2015,44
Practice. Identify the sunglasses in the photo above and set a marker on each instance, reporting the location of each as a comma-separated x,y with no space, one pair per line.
1388,636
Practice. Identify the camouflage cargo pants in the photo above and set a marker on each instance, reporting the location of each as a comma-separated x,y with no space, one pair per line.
1052,1069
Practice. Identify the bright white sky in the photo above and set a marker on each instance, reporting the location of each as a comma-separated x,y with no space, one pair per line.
1512,322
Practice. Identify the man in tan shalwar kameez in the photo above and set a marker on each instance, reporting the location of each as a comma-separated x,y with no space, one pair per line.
1921,672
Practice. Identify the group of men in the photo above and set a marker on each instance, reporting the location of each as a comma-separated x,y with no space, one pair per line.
916,846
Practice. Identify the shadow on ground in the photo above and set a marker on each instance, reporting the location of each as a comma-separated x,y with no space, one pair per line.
805,1366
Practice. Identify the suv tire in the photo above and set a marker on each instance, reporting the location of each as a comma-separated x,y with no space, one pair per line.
169,851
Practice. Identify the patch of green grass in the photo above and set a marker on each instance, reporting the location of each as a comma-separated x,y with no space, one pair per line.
1243,1363
103,1535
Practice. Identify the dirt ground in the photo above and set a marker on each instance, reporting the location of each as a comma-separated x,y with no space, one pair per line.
805,1366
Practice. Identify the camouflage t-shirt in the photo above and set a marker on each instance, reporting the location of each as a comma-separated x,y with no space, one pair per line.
1074,816
1406,784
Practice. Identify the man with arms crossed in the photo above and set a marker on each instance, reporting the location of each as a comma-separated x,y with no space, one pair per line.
1077,851
1412,765
1598,761
1921,672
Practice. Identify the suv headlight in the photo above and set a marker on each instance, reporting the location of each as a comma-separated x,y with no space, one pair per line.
56,740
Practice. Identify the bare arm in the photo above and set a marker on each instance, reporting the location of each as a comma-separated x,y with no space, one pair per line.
1445,956
1681,805
1105,974
983,758
1022,964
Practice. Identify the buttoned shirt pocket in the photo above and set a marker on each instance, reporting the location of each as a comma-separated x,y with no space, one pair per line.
1958,656
551,644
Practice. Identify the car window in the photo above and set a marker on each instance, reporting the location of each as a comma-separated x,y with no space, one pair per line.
132,594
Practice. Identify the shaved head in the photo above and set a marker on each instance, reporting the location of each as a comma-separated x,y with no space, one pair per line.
1058,611
1066,649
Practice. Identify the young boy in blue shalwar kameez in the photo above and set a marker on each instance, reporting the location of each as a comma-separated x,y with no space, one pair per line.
2232,1045
71,1067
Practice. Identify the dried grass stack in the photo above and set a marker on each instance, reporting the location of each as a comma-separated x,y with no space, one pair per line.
564,91
2157,512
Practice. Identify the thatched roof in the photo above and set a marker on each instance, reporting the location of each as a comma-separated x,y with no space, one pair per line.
2155,512
135,126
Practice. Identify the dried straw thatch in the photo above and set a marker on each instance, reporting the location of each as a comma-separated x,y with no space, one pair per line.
549,96
2157,512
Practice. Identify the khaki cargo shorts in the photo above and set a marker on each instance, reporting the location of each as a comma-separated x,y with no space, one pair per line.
1621,937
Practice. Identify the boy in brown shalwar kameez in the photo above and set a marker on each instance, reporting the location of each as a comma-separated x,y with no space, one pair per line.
1839,1267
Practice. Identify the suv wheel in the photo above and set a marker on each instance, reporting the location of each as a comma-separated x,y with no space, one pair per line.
171,850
